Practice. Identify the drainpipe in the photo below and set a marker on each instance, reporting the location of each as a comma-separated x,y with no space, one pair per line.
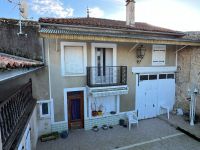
49,69
177,54
43,53
50,92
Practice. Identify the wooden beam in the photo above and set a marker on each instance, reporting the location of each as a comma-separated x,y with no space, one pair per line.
117,39
181,48
134,47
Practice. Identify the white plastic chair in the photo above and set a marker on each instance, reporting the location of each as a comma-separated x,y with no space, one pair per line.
165,107
132,118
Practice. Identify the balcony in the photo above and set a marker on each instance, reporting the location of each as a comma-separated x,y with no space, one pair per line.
106,76
15,111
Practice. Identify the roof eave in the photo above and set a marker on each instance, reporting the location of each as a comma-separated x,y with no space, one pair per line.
179,34
120,39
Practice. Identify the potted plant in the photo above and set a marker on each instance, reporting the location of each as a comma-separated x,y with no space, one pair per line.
105,127
49,136
100,110
95,128
93,108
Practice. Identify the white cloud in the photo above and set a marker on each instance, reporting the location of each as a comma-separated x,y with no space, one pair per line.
96,12
170,14
120,14
51,8
119,1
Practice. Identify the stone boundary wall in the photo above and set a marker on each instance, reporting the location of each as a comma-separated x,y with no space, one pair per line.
188,76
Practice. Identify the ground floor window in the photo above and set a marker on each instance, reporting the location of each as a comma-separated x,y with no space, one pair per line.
44,108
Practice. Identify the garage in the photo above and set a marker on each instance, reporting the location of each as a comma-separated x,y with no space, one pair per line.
154,91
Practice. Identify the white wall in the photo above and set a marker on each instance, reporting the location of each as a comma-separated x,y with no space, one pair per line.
33,132
44,123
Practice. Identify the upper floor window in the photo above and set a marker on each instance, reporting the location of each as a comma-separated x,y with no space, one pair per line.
73,58
158,54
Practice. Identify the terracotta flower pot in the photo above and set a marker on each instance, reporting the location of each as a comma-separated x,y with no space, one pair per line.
94,113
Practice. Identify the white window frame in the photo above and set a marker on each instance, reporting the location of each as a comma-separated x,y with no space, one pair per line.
78,44
40,108
162,48
104,45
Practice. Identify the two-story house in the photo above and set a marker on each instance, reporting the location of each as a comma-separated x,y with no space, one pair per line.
99,69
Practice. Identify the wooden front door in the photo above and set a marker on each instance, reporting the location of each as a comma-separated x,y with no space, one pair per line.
75,110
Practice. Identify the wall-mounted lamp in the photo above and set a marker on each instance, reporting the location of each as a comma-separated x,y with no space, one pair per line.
140,53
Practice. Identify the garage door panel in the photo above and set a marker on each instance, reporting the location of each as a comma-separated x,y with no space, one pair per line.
153,91
166,95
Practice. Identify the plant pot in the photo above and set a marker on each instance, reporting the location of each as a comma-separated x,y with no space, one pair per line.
94,113
64,135
105,127
110,127
95,129
50,136
121,122
100,113
113,112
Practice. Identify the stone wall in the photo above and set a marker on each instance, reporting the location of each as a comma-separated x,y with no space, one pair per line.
187,76
25,46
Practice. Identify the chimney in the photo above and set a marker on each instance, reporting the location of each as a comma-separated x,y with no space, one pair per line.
130,12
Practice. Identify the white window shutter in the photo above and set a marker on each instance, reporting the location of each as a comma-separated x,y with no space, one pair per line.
158,54
74,60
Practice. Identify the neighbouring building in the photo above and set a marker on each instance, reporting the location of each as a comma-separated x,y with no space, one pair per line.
188,73
21,69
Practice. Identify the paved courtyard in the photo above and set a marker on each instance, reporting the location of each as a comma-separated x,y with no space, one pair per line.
151,134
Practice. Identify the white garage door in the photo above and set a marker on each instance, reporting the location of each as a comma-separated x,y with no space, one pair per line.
152,91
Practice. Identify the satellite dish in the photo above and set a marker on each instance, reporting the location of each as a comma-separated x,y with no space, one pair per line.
23,9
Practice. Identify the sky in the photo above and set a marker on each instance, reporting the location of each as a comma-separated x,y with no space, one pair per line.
182,15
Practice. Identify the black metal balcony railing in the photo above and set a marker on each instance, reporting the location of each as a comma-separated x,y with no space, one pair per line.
14,114
106,76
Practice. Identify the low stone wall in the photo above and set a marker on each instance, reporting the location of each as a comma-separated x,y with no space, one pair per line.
99,121
188,76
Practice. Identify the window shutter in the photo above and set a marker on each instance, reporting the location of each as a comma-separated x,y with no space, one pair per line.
158,54
74,60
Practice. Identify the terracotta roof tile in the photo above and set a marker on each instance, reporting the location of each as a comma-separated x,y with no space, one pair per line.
13,62
193,35
106,23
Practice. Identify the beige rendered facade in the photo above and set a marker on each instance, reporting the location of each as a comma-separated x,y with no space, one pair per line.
125,57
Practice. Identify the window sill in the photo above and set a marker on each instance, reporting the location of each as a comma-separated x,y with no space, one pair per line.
45,116
103,116
73,75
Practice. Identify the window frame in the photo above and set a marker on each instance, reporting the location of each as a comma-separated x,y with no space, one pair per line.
73,44
40,109
103,45
162,48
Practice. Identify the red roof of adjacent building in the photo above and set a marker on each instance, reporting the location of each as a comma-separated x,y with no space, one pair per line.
107,23
13,62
